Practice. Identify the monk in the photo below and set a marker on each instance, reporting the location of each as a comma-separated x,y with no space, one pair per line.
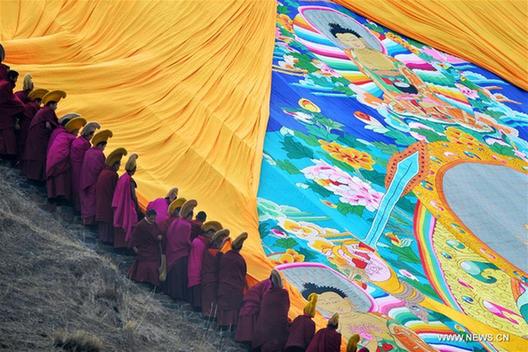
231,284
209,274
177,251
125,205
145,241
250,310
92,165
63,120
10,108
194,267
197,224
161,205
327,339
104,193
3,68
271,329
31,107
27,87
302,329
58,165
174,213
79,147
42,124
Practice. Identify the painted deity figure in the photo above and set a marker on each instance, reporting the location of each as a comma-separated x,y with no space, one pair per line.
404,93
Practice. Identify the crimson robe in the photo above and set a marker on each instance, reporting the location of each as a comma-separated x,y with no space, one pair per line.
104,214
58,166
231,284
161,206
125,207
10,107
178,247
271,330
325,340
93,164
24,121
198,248
145,240
3,71
209,280
78,148
196,229
249,311
37,143
302,331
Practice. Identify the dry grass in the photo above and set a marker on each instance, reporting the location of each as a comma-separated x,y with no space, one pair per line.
56,291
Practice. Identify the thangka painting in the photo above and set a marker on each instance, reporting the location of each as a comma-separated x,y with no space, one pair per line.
394,184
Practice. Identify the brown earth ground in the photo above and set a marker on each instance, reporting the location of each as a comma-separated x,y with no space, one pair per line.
56,280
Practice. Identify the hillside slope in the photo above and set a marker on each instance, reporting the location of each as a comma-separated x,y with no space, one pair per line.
54,277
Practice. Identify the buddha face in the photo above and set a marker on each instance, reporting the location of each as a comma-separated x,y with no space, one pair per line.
350,41
331,302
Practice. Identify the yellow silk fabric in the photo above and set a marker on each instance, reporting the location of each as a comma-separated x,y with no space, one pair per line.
490,33
185,84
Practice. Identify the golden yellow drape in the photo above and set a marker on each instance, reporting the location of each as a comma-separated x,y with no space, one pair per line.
490,33
185,84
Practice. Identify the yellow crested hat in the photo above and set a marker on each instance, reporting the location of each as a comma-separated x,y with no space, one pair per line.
220,235
173,192
90,127
131,162
334,320
309,309
211,226
37,93
54,95
75,124
176,204
115,156
101,137
188,207
28,82
239,241
276,278
63,120
353,343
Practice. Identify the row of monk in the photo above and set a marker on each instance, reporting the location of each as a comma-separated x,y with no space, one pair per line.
189,259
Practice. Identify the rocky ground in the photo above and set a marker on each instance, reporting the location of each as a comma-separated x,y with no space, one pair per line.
58,283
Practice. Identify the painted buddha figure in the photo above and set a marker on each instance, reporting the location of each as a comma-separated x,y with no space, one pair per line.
403,91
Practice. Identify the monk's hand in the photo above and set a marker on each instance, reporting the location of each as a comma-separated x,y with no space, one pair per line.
159,237
135,249
48,126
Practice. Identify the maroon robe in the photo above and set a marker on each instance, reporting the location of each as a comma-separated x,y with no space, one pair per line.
302,331
145,240
58,167
3,71
104,213
93,164
78,148
24,121
231,284
209,280
177,250
325,340
196,229
37,143
10,108
249,311
271,330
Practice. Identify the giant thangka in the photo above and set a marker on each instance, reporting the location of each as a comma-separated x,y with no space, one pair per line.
394,185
